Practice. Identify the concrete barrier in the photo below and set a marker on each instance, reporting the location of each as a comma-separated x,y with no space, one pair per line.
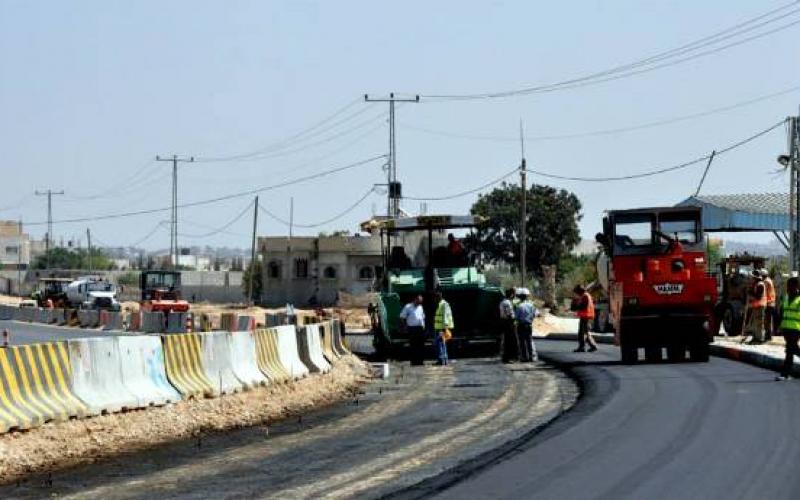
326,329
183,360
143,370
25,314
135,322
88,318
113,320
42,315
227,322
35,386
267,358
97,375
243,357
152,322
58,316
218,363
314,340
6,312
338,338
176,322
245,323
288,351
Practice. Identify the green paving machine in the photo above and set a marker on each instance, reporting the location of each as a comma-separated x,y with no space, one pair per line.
421,256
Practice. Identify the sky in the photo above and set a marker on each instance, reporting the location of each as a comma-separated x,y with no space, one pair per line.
92,91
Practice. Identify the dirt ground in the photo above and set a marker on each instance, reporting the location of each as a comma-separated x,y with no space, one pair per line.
59,445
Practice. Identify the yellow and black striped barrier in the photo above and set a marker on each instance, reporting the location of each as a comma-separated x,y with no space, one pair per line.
35,386
267,357
184,364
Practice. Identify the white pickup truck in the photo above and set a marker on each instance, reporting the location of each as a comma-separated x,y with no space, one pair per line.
92,293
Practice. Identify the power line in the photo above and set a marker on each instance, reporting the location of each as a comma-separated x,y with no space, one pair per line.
139,175
609,131
225,226
322,223
659,171
218,199
629,69
465,193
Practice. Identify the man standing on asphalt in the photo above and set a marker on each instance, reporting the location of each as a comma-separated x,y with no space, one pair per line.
510,347
771,311
790,325
413,323
757,305
526,312
442,326
583,305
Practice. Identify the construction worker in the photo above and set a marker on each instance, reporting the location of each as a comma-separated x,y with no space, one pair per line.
508,327
525,314
413,324
757,304
583,305
790,325
442,327
771,311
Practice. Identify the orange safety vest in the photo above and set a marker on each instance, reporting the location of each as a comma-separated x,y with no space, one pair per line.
769,292
587,313
755,301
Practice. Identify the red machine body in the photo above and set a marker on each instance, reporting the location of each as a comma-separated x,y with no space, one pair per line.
660,292
161,292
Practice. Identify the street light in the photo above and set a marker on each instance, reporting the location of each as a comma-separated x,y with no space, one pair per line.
784,160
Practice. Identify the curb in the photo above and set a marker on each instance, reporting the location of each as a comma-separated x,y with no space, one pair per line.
740,354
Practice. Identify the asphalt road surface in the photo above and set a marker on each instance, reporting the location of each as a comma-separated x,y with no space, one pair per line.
414,425
21,332
712,430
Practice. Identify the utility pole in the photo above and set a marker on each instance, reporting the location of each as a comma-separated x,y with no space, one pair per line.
523,223
173,233
395,188
89,245
49,236
253,255
19,260
794,191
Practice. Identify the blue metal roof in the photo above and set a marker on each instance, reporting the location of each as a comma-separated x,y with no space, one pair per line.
742,212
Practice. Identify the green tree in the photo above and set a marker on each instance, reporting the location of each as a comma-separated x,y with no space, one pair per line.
552,224
66,258
254,269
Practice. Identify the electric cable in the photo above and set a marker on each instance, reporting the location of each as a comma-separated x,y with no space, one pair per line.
262,189
222,228
626,70
322,223
659,171
464,193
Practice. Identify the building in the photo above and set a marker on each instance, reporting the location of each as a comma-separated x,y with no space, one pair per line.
314,270
15,246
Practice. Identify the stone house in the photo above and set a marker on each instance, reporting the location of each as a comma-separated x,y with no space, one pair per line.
311,270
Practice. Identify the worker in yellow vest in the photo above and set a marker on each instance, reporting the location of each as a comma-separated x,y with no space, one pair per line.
790,325
442,327
757,305
771,311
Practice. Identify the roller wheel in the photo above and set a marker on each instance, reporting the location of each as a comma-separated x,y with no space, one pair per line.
628,350
676,353
653,353
699,351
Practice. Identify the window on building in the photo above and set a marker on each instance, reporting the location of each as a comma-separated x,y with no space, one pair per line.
329,273
366,273
12,250
274,270
301,268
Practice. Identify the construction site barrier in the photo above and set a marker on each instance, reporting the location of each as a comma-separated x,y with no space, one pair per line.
97,375
288,351
135,322
267,358
217,362
42,315
143,370
176,322
183,360
338,338
152,322
58,316
243,357
35,386
245,323
7,312
326,329
26,314
314,339
227,322
89,318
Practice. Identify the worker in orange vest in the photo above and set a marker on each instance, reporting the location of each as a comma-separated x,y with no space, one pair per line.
771,311
583,305
757,305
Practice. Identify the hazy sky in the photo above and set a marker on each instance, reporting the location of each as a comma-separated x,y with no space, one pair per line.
91,91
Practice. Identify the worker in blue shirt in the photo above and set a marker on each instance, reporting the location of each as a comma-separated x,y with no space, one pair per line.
525,313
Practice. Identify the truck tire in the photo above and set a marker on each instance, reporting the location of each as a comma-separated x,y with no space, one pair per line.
629,353
699,351
676,352
653,353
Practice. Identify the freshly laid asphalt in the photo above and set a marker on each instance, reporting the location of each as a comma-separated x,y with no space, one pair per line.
721,429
